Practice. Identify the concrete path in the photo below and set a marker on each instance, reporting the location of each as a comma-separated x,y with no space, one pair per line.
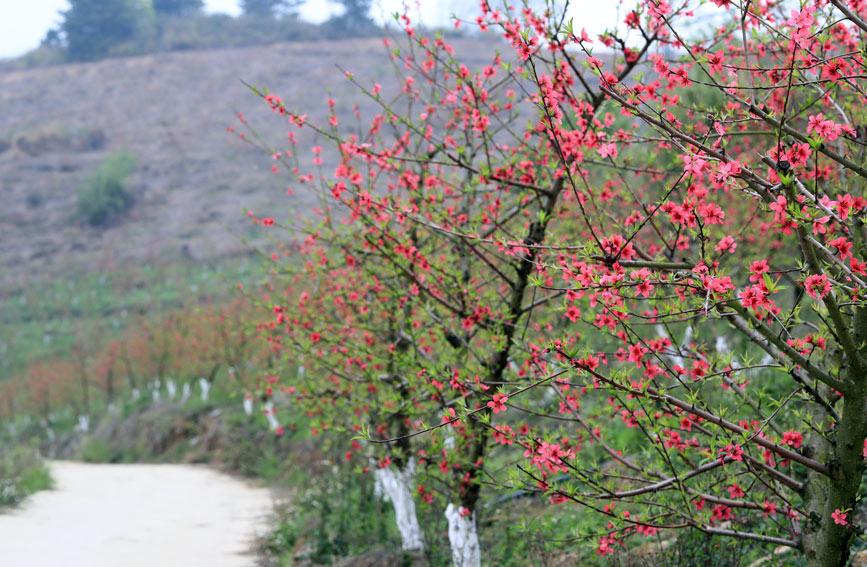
136,515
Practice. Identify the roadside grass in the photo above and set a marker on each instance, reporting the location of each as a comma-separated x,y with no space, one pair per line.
335,515
332,515
336,518
22,473
215,431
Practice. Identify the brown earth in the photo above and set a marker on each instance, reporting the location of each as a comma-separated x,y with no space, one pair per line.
193,179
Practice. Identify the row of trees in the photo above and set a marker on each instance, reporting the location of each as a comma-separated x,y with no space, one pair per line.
624,273
92,28
183,346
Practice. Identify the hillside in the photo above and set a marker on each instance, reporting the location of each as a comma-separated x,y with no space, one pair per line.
63,282
170,111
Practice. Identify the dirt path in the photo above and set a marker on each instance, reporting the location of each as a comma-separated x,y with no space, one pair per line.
136,515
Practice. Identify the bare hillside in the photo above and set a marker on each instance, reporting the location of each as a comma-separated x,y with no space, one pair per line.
170,111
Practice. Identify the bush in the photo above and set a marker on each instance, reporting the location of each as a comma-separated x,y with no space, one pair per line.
98,451
336,515
105,195
22,473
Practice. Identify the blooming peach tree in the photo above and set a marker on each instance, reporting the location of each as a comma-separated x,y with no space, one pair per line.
630,266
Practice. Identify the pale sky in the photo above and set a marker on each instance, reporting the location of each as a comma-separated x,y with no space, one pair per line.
23,23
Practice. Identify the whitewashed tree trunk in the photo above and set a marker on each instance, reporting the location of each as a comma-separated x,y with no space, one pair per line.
687,337
186,392
171,389
397,486
463,538
205,387
269,415
449,442
83,423
378,489
248,405
136,394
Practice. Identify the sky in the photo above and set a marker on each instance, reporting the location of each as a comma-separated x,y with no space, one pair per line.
23,23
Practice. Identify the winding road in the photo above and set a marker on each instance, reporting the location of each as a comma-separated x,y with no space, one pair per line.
136,515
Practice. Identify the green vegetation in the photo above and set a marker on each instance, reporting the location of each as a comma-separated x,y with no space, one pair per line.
22,473
99,451
93,27
334,515
355,19
105,194
215,431
177,7
267,8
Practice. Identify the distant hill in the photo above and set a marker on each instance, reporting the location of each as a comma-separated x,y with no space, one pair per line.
170,111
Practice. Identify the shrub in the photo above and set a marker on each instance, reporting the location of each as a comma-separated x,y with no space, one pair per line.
105,195
22,473
98,451
335,515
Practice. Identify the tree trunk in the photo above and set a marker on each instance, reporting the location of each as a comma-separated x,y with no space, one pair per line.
109,386
397,487
82,380
463,537
826,543
127,363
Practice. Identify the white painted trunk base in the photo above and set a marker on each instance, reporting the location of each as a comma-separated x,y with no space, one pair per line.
269,415
205,387
687,338
397,487
463,538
